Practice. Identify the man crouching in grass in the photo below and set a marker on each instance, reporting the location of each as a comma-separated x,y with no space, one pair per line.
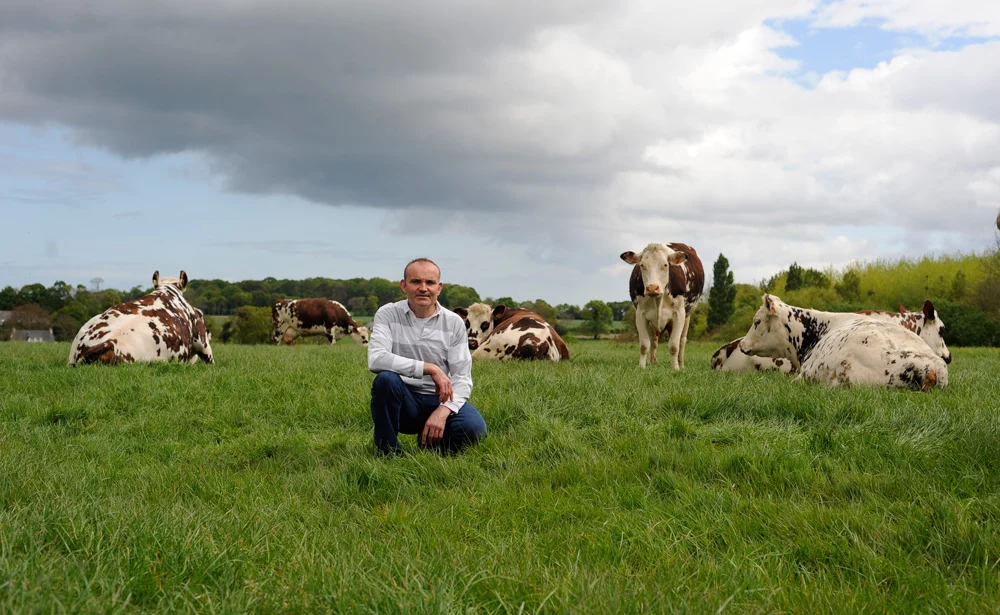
420,353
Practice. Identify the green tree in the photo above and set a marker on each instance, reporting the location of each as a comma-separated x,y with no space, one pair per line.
65,327
597,318
542,308
251,325
722,297
796,277
456,295
371,305
849,287
8,297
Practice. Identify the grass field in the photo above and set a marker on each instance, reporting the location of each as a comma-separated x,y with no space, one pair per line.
250,486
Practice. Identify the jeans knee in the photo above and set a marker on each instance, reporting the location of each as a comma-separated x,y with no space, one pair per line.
386,381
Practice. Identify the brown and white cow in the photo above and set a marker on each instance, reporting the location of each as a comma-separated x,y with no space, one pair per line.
926,324
844,348
303,317
666,283
161,326
504,333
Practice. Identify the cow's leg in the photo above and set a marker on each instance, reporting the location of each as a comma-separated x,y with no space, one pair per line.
643,330
674,341
654,342
684,337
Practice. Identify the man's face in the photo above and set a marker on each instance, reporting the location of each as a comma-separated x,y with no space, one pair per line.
422,284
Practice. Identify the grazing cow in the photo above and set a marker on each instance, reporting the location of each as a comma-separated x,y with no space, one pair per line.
926,324
666,283
842,348
303,317
161,326
511,333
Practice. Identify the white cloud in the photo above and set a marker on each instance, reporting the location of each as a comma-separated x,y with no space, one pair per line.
928,17
559,136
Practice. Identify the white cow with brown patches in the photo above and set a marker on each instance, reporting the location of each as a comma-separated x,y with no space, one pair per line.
843,348
294,318
503,333
666,283
161,326
925,323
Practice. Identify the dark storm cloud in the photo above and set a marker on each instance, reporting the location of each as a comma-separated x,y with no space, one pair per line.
333,102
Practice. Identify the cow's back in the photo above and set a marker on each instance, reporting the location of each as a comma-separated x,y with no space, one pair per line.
877,353
523,334
160,326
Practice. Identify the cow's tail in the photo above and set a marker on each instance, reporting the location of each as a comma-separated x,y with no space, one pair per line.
101,353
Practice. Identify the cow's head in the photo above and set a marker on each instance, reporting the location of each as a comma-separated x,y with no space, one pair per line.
478,322
180,282
768,336
654,262
360,335
932,330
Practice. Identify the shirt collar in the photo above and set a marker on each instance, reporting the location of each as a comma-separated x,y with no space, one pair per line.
437,312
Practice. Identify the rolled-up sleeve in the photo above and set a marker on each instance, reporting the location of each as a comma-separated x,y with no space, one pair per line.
460,369
380,356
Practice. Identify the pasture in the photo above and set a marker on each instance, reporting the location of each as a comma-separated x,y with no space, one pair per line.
250,486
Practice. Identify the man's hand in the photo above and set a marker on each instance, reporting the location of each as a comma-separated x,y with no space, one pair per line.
441,382
434,427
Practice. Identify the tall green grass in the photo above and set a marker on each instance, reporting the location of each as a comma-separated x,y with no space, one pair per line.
250,486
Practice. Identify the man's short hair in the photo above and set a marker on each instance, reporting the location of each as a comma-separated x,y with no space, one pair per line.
421,260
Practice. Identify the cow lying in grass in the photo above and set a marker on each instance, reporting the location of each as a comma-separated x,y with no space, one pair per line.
293,318
838,348
504,333
161,326
925,323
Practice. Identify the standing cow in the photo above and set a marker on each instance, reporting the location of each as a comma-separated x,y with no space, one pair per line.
666,283
843,348
926,323
504,333
161,326
303,317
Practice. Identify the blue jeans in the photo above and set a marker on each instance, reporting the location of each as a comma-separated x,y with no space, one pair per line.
396,409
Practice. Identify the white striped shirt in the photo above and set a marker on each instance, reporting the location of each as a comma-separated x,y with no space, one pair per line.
400,342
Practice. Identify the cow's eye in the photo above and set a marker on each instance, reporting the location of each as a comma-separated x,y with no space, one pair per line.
756,323
484,326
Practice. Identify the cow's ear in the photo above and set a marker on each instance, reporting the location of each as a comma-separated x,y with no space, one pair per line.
184,280
464,313
769,303
630,257
156,278
902,309
929,310
498,313
677,258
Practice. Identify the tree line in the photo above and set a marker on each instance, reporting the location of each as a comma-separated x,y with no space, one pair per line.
965,291
64,308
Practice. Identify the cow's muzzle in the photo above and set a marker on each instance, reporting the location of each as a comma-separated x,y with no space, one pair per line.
473,344
653,290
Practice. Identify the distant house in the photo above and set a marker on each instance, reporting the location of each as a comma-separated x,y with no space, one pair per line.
32,335
4,316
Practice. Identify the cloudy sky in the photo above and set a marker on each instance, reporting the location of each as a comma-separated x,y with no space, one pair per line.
522,145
